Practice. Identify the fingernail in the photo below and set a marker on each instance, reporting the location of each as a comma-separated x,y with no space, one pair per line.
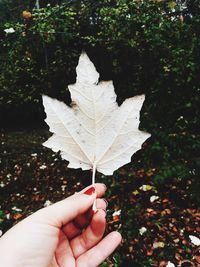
105,202
90,191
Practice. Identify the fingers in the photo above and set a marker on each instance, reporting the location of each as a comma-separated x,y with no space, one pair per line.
64,254
91,236
83,220
100,252
68,209
99,188
71,230
74,228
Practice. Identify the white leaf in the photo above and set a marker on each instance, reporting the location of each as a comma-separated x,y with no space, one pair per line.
95,133
170,264
146,187
194,240
8,216
142,230
158,245
16,209
47,203
116,213
43,167
153,198
9,30
2,185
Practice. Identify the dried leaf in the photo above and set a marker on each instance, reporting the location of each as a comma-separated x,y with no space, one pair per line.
136,192
17,216
197,258
150,252
95,133
153,198
170,264
142,230
162,264
147,187
158,245
194,240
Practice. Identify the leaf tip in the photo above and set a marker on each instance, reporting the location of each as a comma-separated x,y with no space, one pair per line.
86,71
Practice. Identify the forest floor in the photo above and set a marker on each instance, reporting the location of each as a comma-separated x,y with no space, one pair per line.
156,223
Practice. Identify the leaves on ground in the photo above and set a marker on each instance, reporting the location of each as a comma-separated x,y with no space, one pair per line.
155,233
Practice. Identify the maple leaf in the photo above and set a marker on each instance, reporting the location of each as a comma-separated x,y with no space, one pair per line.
94,133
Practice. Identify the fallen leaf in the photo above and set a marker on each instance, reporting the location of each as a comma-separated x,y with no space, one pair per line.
116,218
175,229
116,213
47,203
166,212
194,240
150,252
170,264
165,200
142,230
153,198
158,245
147,187
136,192
197,258
176,240
162,264
17,216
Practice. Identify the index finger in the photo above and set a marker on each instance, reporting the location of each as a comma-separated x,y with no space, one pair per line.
68,209
100,189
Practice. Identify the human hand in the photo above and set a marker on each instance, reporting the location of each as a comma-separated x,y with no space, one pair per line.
65,234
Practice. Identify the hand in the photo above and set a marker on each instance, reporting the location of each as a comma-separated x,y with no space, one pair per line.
65,234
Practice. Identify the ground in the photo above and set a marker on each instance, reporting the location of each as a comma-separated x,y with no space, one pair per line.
155,222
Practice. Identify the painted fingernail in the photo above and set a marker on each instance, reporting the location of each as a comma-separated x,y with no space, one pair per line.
105,202
90,191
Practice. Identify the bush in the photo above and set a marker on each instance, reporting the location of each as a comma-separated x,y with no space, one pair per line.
146,50
143,46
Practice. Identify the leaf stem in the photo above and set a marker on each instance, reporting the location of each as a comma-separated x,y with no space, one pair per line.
93,173
94,207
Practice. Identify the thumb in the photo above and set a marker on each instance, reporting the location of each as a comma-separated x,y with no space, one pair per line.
68,209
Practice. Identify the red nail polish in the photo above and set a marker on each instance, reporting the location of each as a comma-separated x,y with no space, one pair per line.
90,191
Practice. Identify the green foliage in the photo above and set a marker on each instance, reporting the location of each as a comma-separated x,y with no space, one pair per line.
146,50
1,217
143,46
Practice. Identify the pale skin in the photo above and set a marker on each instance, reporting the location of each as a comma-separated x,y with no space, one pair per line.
65,234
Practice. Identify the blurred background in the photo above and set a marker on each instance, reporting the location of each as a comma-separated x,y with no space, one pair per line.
150,47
